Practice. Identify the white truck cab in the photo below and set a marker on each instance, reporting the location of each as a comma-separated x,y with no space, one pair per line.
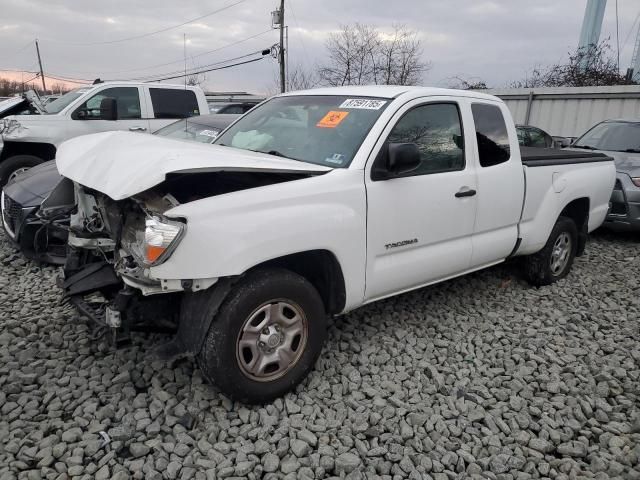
27,140
313,204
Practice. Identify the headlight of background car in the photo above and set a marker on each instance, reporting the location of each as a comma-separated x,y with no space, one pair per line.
636,181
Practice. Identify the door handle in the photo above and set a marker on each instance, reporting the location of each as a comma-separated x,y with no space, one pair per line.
137,129
465,192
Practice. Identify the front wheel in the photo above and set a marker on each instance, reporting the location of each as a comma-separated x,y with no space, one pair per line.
12,167
554,261
266,336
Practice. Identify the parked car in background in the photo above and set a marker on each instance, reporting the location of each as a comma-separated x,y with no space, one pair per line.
313,204
47,99
42,235
237,108
619,139
139,107
529,136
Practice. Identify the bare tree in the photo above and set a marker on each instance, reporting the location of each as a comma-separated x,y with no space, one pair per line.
299,78
352,56
359,55
467,83
399,58
588,66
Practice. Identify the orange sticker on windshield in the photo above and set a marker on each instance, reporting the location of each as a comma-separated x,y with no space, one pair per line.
332,119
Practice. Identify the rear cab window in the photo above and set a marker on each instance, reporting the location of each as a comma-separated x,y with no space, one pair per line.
173,103
491,134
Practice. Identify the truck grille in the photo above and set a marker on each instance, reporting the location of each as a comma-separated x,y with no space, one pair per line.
11,214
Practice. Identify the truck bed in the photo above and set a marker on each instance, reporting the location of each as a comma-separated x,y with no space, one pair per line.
541,157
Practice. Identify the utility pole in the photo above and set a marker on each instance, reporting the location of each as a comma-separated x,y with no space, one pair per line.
282,50
44,87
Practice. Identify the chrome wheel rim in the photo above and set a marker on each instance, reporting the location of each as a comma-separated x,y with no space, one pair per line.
271,340
13,175
560,253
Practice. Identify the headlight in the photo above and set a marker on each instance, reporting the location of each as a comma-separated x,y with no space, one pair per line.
161,237
636,181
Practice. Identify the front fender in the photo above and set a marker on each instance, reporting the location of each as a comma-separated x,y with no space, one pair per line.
229,234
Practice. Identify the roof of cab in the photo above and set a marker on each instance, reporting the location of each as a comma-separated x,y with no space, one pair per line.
149,84
392,91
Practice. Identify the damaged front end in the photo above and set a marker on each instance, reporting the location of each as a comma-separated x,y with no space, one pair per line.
114,245
111,247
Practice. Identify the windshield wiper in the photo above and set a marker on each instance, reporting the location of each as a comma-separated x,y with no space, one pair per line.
632,150
276,153
586,147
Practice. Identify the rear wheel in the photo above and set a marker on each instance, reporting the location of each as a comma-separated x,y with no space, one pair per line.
14,166
266,336
554,261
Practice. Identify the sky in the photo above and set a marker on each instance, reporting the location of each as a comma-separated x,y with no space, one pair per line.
497,41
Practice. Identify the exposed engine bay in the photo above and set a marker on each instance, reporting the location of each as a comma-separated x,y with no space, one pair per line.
112,246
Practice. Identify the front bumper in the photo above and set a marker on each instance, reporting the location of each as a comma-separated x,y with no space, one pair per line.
624,210
27,233
14,216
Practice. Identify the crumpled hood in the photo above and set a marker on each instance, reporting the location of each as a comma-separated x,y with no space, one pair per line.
10,104
34,185
121,164
14,105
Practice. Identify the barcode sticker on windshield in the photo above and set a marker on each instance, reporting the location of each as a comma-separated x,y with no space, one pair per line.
363,103
209,133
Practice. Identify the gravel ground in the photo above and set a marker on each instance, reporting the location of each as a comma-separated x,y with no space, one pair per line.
480,377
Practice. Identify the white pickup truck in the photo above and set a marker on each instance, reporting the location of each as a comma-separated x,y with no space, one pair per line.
313,204
142,107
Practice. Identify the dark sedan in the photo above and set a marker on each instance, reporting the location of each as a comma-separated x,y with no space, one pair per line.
45,238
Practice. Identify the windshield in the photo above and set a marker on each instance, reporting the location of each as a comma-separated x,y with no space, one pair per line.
325,130
616,136
189,130
60,103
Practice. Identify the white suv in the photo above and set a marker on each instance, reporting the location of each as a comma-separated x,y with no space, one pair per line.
139,107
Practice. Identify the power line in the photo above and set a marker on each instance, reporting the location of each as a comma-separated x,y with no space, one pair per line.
295,20
192,69
624,44
148,34
618,36
68,79
209,70
50,75
192,57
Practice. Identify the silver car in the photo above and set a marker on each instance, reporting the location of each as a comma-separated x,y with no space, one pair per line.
619,139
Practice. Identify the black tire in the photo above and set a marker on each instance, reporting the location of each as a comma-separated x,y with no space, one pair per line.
10,165
538,267
220,359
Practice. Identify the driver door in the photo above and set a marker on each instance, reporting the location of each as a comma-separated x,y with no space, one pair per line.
420,224
130,112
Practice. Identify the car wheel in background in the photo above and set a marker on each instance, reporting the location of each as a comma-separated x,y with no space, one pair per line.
11,167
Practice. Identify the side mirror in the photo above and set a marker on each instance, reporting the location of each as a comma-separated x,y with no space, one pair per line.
108,109
402,158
